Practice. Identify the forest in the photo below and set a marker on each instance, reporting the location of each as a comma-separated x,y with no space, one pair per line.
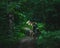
14,23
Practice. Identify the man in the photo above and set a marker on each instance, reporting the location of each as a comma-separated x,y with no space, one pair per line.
35,28
28,32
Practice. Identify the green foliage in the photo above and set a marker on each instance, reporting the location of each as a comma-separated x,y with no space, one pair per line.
45,12
49,39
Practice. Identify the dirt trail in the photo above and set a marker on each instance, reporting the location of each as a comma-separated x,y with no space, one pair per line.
27,42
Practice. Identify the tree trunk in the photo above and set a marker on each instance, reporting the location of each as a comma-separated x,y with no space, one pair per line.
11,24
